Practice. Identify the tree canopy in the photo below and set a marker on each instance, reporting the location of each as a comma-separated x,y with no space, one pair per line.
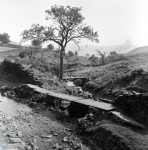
70,53
36,43
67,26
50,46
5,38
102,57
94,60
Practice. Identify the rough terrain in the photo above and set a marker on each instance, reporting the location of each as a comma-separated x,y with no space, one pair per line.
50,128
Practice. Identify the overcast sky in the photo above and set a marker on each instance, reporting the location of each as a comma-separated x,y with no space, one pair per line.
115,20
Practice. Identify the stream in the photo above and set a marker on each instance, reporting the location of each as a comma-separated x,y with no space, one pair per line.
9,107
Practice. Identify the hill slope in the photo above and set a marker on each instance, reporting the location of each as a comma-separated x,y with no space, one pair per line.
138,50
105,78
91,49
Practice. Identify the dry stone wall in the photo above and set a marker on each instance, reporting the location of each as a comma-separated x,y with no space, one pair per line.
21,72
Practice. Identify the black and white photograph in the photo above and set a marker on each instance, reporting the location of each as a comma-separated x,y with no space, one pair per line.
73,75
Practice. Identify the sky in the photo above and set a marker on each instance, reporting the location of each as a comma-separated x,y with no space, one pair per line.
115,20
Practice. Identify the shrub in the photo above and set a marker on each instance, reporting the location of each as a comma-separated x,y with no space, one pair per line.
23,54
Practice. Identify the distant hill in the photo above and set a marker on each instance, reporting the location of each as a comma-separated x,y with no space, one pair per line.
138,50
11,44
14,43
3,49
91,49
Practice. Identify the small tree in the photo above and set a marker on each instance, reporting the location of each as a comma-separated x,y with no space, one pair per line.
36,43
102,57
94,60
55,70
76,52
5,38
50,47
70,53
87,56
68,26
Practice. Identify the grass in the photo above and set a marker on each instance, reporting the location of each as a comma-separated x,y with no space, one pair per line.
2,49
106,77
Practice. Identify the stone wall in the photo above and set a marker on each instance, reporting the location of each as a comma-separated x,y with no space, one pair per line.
21,72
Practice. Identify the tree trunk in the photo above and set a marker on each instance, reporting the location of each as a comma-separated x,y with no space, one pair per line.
61,63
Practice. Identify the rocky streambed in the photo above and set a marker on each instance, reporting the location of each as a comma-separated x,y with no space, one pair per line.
101,130
25,128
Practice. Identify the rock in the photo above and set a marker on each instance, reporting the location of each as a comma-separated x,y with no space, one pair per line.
15,140
33,146
48,140
46,136
34,140
12,149
12,135
65,139
16,145
76,146
19,134
4,89
57,147
28,147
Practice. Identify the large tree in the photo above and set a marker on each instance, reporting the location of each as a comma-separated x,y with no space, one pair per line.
67,26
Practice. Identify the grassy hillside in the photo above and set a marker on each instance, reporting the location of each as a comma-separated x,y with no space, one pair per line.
138,50
105,78
2,49
91,49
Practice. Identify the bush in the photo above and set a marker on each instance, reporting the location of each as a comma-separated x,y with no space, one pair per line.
22,54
